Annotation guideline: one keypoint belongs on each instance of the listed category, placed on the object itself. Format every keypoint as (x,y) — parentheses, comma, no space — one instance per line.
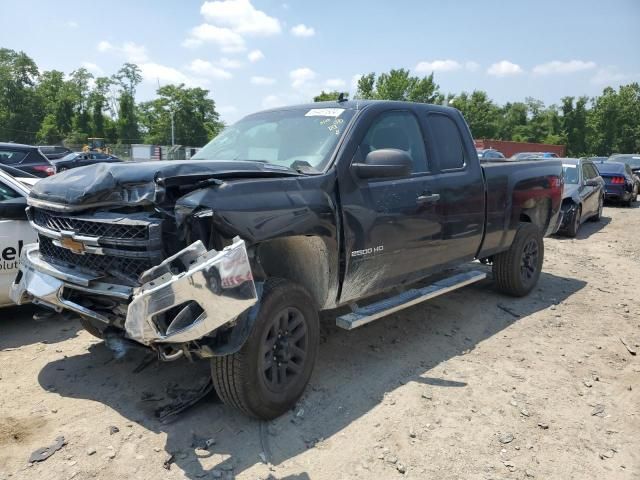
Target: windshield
(570,172)
(69,156)
(632,160)
(289,138)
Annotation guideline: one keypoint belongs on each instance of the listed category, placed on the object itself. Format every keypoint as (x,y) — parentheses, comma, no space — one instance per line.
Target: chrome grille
(97,263)
(57,222)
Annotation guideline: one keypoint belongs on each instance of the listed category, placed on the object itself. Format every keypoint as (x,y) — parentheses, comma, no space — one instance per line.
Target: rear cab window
(447,142)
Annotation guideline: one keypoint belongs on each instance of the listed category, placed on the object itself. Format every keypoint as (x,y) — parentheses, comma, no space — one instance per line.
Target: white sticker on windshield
(568,165)
(324,112)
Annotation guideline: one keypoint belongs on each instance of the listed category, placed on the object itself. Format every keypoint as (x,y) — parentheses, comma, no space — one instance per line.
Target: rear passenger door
(392,227)
(460,184)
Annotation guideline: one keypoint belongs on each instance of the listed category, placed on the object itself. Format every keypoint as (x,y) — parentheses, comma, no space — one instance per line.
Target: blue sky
(253,54)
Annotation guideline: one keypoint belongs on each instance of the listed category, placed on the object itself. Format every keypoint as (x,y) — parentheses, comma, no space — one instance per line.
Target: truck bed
(529,190)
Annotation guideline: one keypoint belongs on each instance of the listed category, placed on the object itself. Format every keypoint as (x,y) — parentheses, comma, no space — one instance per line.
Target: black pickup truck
(231,255)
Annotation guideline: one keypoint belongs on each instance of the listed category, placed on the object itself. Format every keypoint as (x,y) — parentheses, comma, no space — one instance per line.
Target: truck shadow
(19,329)
(356,371)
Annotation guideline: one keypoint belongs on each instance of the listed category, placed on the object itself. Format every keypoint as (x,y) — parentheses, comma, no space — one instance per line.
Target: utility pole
(173,129)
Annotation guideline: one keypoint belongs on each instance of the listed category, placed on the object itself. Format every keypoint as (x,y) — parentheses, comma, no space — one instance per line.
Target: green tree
(195,117)
(127,124)
(20,108)
(399,84)
(329,96)
(481,113)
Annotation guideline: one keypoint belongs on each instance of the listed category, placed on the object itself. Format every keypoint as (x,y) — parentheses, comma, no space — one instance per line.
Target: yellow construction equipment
(96,145)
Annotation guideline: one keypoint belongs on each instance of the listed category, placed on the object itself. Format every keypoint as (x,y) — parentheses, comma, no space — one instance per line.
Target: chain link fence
(145,152)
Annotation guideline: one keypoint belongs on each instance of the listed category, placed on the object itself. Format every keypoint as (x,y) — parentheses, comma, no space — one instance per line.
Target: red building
(511,148)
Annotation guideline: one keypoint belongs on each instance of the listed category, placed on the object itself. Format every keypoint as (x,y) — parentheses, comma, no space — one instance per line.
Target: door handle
(428,198)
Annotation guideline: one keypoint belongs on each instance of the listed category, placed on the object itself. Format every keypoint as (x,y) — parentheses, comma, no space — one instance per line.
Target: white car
(15,230)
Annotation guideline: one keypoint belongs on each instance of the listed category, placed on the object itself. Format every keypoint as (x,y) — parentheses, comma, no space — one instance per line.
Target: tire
(598,215)
(257,383)
(517,270)
(572,230)
(92,329)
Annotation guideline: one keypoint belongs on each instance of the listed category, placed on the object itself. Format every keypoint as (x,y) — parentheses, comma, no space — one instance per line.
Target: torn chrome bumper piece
(220,282)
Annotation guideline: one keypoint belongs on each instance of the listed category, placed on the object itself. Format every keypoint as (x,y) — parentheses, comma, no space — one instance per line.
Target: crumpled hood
(569,190)
(133,183)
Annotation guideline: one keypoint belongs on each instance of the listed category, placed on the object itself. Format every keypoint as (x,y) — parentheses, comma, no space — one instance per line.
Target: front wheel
(270,372)
(572,229)
(517,270)
(598,215)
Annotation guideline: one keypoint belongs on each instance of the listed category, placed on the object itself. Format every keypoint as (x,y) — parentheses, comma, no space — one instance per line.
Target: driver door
(392,227)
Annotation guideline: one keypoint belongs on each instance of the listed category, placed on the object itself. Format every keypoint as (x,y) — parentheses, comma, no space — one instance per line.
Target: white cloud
(208,70)
(134,52)
(104,46)
(438,66)
(255,55)
(504,68)
(227,40)
(611,76)
(229,63)
(272,101)
(240,16)
(335,83)
(72,24)
(300,76)
(257,80)
(131,51)
(301,30)
(93,68)
(155,73)
(558,67)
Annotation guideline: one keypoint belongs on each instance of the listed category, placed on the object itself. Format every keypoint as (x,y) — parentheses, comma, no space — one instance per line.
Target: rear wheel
(572,229)
(270,372)
(517,270)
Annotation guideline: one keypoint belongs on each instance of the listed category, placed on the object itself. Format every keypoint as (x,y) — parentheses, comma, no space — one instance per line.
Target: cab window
(447,142)
(399,130)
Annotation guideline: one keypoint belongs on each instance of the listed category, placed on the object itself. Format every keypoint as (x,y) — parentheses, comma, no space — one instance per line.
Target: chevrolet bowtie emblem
(73,245)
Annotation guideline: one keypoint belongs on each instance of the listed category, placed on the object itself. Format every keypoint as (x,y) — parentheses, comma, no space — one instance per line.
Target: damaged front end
(184,300)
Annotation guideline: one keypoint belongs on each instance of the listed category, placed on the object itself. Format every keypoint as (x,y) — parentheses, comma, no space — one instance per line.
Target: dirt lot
(473,385)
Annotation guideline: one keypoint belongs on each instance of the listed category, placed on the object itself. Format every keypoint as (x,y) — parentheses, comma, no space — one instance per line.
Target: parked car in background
(26,158)
(15,231)
(489,154)
(632,160)
(533,155)
(81,159)
(53,152)
(620,182)
(598,159)
(583,195)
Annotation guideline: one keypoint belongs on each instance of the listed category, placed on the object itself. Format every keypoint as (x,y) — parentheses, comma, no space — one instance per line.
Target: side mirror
(592,182)
(384,163)
(13,209)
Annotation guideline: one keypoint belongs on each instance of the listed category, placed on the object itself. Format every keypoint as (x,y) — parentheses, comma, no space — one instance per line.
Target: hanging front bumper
(220,282)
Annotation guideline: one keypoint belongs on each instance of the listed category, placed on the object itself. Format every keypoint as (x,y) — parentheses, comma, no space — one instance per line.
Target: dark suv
(53,152)
(26,158)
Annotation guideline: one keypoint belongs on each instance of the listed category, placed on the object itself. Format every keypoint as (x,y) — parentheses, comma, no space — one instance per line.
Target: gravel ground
(472,385)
